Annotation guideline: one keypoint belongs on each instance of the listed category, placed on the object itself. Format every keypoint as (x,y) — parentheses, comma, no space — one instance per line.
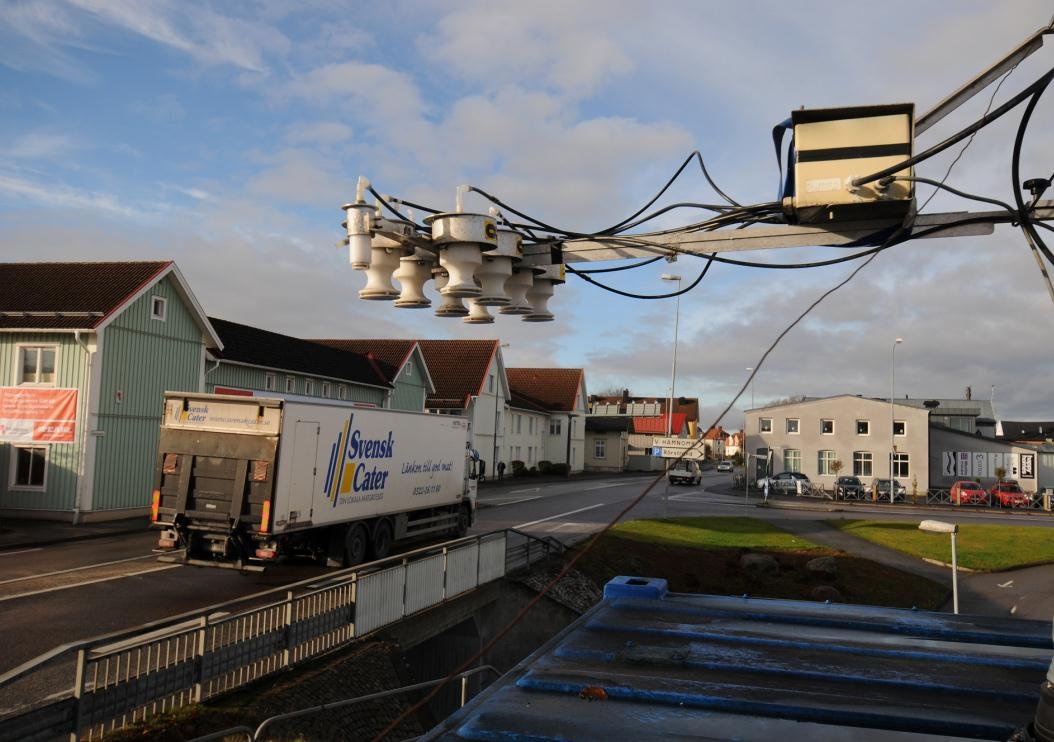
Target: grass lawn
(980,547)
(702,555)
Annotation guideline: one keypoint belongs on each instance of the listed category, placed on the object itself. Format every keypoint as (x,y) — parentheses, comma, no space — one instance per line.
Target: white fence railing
(124,678)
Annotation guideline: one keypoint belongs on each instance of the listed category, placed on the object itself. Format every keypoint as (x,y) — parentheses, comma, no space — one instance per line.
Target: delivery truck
(241,481)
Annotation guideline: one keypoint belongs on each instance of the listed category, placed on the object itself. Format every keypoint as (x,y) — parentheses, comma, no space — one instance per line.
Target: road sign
(696,454)
(675,442)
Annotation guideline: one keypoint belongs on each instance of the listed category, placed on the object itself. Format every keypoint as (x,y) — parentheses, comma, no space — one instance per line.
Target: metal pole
(892,444)
(955,579)
(673,382)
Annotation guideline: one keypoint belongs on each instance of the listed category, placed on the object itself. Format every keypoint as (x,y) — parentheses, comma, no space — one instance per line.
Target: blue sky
(227,135)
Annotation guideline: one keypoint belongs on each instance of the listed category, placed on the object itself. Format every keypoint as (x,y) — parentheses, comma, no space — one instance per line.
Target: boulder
(826,567)
(758,565)
(824,593)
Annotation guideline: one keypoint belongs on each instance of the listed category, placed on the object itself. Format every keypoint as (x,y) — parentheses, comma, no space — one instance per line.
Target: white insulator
(452,306)
(516,287)
(379,275)
(492,275)
(358,224)
(538,297)
(460,260)
(478,314)
(414,272)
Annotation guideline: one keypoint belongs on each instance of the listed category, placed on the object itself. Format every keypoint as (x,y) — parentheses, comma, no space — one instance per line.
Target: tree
(1000,472)
(738,459)
(836,466)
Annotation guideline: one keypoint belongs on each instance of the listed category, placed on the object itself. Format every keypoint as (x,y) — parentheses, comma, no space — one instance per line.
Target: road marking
(1007,584)
(560,515)
(21,551)
(89,582)
(520,492)
(73,569)
(602,486)
(512,502)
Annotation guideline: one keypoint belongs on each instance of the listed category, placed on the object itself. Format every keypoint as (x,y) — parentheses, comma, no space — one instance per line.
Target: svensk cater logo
(353,464)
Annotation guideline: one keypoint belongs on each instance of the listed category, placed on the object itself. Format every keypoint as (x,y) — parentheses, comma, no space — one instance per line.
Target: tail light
(266,553)
(265,517)
(154,505)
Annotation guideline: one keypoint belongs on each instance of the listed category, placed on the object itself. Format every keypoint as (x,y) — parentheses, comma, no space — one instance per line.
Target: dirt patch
(718,572)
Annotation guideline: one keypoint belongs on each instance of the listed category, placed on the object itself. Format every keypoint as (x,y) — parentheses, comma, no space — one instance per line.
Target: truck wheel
(355,544)
(382,539)
(461,530)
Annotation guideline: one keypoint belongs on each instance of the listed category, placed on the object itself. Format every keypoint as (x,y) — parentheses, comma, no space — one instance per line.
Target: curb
(32,544)
(902,508)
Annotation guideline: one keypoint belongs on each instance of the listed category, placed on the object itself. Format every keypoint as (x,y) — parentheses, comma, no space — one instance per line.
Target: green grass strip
(711,533)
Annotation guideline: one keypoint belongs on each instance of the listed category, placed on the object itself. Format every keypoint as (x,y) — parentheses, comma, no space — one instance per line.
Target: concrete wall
(845,411)
(955,456)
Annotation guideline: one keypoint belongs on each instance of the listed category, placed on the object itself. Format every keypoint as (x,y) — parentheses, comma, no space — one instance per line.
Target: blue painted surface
(716,667)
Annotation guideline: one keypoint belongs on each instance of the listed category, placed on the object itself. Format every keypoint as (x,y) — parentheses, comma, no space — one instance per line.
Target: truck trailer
(241,481)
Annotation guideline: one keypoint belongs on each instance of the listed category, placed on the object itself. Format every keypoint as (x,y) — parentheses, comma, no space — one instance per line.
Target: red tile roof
(688,405)
(389,355)
(714,433)
(69,295)
(458,369)
(657,425)
(556,389)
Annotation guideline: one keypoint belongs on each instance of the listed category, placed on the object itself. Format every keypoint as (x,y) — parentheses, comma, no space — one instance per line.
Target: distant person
(501,470)
(482,470)
(766,486)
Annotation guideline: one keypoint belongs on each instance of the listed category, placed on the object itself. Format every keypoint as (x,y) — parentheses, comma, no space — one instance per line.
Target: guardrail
(124,677)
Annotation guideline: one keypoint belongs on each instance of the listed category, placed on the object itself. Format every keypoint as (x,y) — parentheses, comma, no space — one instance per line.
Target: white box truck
(241,481)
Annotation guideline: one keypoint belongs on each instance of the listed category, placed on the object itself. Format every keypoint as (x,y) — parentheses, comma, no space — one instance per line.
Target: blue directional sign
(656,451)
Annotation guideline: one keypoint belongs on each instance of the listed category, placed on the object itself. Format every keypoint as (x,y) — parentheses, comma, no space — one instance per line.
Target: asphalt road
(61,593)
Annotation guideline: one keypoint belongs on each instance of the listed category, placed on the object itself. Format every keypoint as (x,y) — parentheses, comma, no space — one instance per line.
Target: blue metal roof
(701,666)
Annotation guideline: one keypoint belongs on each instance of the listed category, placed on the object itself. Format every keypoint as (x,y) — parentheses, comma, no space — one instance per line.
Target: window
(901,465)
(862,464)
(409,370)
(309,386)
(519,423)
(36,364)
(530,426)
(530,455)
(158,306)
(1046,460)
(792,425)
(554,426)
(863,427)
(325,389)
(900,428)
(270,382)
(825,463)
(765,424)
(290,384)
(792,459)
(342,392)
(827,427)
(29,467)
(490,383)
(600,448)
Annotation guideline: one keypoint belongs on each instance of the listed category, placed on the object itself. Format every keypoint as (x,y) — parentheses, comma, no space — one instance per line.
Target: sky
(227,135)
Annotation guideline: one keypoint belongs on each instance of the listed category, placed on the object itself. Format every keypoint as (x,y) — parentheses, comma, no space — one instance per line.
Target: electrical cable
(641,264)
(620,292)
(1035,242)
(982,122)
(402,217)
(571,563)
(941,185)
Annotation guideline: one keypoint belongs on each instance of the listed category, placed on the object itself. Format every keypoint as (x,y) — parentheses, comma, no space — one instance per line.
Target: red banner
(34,415)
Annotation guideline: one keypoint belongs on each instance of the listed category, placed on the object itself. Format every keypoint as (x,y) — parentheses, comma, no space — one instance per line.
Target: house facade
(401,363)
(561,392)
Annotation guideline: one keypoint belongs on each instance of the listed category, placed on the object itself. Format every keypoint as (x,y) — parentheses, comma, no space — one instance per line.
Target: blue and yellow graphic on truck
(357,470)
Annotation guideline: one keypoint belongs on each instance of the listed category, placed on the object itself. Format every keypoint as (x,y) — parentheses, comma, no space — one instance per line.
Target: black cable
(641,264)
(629,295)
(941,185)
(1035,242)
(982,122)
(402,217)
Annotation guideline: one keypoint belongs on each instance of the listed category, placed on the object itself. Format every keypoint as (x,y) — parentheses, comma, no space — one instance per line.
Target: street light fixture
(892,440)
(939,526)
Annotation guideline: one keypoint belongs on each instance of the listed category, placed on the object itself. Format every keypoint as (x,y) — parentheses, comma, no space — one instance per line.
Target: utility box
(834,145)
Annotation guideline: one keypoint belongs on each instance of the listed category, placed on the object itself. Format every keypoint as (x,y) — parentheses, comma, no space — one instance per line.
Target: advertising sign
(234,417)
(33,415)
(1028,466)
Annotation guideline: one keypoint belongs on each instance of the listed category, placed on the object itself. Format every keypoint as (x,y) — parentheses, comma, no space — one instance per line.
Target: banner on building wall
(983,465)
(1028,466)
(32,415)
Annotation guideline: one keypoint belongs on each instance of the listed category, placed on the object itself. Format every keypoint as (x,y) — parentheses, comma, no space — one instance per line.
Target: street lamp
(673,380)
(892,441)
(939,526)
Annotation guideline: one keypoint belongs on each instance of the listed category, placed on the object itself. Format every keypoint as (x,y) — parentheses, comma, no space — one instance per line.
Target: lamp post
(892,440)
(938,526)
(673,381)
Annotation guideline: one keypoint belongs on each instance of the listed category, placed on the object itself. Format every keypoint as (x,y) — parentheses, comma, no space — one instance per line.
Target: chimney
(969,394)
(625,396)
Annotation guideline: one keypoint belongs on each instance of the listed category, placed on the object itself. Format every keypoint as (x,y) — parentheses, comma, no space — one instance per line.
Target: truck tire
(461,529)
(356,543)
(381,544)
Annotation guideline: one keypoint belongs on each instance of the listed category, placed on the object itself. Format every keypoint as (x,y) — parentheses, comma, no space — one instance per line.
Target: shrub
(559,470)
(518,469)
(545,467)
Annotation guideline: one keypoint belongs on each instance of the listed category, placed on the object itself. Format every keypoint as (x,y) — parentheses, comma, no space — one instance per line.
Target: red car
(1010,494)
(968,493)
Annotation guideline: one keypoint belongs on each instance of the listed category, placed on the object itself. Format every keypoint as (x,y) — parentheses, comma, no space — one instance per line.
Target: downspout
(567,456)
(85,429)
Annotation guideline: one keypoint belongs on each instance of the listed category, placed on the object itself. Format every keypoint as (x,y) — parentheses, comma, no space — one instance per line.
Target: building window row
(863,462)
(827,426)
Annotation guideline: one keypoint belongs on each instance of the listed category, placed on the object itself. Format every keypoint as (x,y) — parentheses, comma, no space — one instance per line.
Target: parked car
(849,488)
(968,493)
(685,472)
(785,481)
(1010,495)
(724,466)
(882,486)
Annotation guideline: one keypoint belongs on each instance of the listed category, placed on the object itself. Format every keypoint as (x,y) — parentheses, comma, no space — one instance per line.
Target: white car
(686,472)
(724,466)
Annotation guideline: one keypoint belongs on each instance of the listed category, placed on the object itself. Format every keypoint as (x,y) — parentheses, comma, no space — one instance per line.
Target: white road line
(560,515)
(512,502)
(89,582)
(603,486)
(73,569)
(520,492)
(20,551)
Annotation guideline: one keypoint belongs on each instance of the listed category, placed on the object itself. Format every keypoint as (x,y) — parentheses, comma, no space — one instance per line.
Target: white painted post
(955,579)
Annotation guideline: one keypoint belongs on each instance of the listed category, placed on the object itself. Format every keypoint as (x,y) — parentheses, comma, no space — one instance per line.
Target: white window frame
(490,383)
(866,423)
(154,314)
(519,424)
(600,448)
(20,349)
(555,426)
(530,425)
(270,382)
(309,387)
(409,370)
(13,477)
(797,425)
(826,420)
(290,385)
(901,465)
(858,456)
(325,389)
(762,427)
(824,463)
(787,460)
(342,392)
(904,425)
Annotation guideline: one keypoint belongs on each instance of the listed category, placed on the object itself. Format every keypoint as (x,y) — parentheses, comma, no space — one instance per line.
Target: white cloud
(37,145)
(301,176)
(319,133)
(60,197)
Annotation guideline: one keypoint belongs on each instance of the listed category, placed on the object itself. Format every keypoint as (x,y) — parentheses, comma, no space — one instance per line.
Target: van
(686,472)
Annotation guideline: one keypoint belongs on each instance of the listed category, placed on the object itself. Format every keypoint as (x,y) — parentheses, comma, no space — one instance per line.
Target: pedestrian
(766,485)
(501,470)
(482,470)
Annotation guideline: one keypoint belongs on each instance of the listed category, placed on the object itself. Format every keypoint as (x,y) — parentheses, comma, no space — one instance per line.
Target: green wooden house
(401,362)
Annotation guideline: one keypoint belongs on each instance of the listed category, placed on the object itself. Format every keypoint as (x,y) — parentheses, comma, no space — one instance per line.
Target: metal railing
(124,677)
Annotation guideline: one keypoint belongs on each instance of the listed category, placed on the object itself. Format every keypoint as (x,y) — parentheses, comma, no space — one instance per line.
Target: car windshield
(970,486)
(1011,488)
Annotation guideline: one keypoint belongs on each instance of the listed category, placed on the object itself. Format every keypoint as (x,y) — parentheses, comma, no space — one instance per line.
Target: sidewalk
(20,533)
